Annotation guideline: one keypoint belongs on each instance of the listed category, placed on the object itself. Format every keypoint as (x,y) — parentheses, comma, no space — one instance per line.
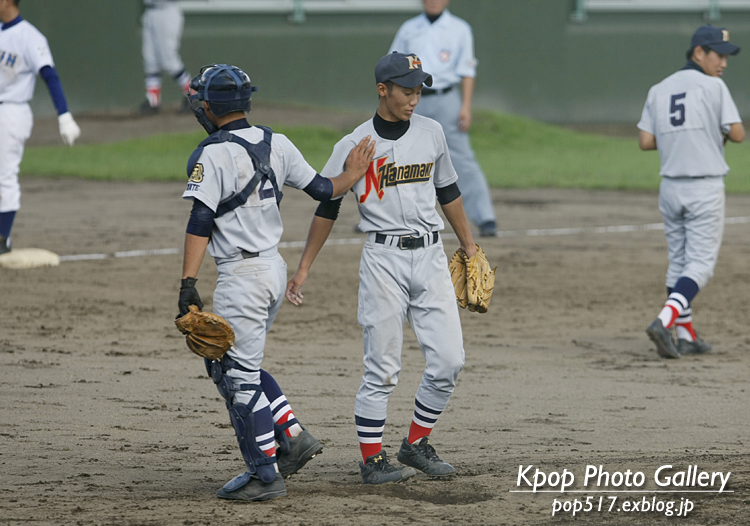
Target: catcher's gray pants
(248,295)
(693,212)
(477,198)
(16,122)
(395,284)
(162,31)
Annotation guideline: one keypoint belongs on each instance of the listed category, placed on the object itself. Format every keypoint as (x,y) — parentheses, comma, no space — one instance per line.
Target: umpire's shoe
(302,449)
(377,470)
(247,487)
(696,347)
(423,457)
(663,339)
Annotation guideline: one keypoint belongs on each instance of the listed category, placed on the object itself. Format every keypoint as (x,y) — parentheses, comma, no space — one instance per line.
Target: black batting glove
(188,296)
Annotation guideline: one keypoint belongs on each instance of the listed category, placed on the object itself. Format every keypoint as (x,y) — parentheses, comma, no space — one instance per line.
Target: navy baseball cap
(404,69)
(716,38)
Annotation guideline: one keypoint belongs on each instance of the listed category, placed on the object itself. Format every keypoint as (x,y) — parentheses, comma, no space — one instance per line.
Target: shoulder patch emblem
(197,175)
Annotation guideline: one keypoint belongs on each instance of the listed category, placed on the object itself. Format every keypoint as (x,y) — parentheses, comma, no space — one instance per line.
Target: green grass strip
(515,152)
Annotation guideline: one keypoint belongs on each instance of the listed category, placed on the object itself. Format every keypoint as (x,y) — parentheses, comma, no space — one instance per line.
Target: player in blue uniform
(688,117)
(24,54)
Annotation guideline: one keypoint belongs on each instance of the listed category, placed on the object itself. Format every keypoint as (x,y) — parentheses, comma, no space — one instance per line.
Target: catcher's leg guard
(245,424)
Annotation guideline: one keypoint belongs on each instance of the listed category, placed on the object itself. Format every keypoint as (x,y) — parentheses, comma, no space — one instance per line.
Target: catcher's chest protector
(260,153)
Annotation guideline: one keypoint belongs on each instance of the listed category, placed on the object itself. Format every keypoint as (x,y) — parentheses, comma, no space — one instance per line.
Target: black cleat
(147,109)
(248,487)
(422,456)
(302,449)
(488,229)
(662,338)
(4,245)
(697,347)
(377,470)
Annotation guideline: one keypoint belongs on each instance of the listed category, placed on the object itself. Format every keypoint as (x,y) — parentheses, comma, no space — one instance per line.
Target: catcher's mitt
(207,335)
(473,280)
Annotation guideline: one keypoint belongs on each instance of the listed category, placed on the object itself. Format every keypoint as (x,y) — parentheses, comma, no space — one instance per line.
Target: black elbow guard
(329,209)
(320,188)
(448,193)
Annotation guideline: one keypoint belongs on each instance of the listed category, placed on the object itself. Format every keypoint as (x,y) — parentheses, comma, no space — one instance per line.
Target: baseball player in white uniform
(235,176)
(403,270)
(162,22)
(688,117)
(445,44)
(24,53)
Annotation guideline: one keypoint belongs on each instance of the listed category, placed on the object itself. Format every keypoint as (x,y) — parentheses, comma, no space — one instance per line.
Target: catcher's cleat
(247,487)
(377,470)
(662,338)
(696,347)
(422,456)
(302,449)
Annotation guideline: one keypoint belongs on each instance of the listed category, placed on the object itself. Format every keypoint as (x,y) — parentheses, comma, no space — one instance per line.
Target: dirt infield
(107,418)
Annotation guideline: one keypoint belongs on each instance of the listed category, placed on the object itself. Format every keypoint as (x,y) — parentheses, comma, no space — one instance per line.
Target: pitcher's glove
(473,280)
(207,334)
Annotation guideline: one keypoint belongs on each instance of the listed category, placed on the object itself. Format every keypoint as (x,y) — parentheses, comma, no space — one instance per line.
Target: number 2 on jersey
(677,111)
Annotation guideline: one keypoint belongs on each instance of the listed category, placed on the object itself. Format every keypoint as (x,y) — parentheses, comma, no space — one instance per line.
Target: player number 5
(677,111)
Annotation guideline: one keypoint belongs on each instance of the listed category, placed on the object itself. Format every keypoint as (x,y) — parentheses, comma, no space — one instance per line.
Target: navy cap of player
(716,38)
(402,69)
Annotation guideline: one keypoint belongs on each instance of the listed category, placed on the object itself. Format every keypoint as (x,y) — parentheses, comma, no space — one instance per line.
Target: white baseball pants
(16,121)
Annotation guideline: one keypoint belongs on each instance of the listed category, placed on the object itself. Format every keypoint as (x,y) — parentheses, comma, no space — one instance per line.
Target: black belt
(428,91)
(407,242)
(249,255)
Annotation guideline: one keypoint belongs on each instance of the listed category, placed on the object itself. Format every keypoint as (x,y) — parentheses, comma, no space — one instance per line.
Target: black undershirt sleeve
(201,219)
(320,188)
(448,193)
(329,209)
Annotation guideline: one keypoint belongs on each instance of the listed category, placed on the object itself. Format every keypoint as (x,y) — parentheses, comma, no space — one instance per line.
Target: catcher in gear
(234,181)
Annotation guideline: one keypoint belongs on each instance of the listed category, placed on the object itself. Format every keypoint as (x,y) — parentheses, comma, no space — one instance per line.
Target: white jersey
(445,47)
(224,170)
(23,52)
(687,113)
(397,196)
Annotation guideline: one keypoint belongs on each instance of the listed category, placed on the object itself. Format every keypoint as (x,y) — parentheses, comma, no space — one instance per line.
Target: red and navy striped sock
(370,435)
(423,421)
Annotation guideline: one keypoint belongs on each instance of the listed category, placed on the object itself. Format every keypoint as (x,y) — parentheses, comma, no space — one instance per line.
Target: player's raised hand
(293,288)
(360,157)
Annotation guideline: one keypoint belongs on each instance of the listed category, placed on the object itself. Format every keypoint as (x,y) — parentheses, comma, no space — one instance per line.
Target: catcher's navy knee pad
(243,421)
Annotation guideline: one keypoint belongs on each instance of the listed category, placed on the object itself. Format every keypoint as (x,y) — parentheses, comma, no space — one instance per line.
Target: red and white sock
(153,90)
(282,413)
(370,435)
(684,326)
(676,304)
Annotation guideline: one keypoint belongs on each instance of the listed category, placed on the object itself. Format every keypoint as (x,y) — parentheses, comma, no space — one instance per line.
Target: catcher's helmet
(226,88)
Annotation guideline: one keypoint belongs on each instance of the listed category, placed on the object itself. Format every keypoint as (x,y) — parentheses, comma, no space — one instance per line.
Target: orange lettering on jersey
(374,179)
(414,61)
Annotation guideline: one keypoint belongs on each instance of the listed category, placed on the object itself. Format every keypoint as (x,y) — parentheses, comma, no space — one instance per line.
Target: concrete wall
(532,59)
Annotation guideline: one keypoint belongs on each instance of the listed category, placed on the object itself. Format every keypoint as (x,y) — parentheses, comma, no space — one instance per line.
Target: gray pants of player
(395,284)
(477,198)
(693,210)
(162,31)
(16,122)
(248,294)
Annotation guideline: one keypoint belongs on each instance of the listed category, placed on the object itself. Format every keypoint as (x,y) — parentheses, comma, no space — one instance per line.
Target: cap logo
(725,35)
(414,61)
